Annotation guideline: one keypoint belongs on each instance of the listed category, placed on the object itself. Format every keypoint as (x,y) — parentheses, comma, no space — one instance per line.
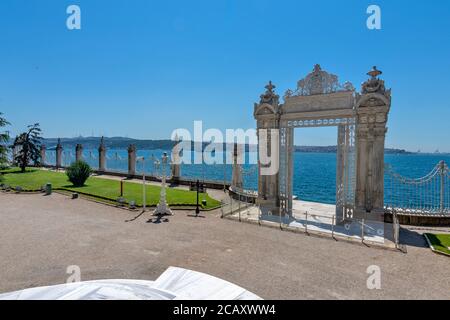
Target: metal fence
(429,195)
(376,232)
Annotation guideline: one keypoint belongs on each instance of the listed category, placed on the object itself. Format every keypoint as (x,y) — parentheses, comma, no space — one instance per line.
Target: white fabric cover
(174,283)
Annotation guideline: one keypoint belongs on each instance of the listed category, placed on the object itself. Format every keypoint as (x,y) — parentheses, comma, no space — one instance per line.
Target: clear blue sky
(142,68)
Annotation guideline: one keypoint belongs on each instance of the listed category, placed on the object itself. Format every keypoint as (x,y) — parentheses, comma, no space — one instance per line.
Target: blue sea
(314,173)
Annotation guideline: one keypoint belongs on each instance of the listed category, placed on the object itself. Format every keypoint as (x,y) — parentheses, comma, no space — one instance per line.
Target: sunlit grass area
(33,180)
(440,242)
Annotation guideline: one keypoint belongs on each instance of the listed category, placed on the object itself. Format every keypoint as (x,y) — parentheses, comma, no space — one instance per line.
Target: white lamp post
(163,207)
(143,183)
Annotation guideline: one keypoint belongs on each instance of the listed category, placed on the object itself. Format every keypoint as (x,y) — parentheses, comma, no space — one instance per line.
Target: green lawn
(440,242)
(34,179)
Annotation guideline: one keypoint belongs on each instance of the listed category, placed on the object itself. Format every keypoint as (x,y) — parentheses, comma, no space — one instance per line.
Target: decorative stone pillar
(102,156)
(176,163)
(14,155)
(43,155)
(372,109)
(59,150)
(79,152)
(131,160)
(236,181)
(267,114)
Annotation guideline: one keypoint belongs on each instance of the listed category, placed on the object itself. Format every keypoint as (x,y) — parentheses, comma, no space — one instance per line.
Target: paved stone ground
(41,236)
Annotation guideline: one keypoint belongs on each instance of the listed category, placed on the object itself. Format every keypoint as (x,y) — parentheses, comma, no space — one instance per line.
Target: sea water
(314,173)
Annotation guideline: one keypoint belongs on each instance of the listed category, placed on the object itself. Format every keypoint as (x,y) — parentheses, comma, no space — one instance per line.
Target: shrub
(78,172)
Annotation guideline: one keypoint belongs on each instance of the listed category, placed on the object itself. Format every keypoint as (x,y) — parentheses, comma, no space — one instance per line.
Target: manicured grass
(34,179)
(440,242)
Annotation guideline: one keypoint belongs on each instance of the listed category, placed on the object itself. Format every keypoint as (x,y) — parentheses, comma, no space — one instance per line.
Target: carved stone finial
(270,96)
(374,84)
(374,73)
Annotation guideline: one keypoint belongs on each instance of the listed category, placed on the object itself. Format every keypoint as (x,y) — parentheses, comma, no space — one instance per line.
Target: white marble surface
(174,283)
(320,220)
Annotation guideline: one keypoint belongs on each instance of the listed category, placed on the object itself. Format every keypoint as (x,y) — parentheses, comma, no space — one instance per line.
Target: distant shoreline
(122,143)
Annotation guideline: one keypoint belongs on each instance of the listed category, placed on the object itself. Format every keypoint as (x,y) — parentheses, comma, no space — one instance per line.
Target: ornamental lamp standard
(197,209)
(163,207)
(143,182)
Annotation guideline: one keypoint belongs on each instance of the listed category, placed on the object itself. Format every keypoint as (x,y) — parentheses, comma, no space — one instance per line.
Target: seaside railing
(428,195)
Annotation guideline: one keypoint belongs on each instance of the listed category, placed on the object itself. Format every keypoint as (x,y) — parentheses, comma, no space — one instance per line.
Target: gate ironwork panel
(427,195)
(345,172)
(283,174)
(345,184)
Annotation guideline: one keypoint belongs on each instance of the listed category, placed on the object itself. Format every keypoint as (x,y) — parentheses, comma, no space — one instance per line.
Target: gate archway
(320,100)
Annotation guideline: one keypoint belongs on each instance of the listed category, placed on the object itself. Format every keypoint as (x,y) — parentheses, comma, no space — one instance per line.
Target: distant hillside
(123,143)
(112,143)
(333,149)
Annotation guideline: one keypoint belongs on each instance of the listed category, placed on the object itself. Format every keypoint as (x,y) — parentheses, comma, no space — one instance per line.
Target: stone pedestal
(102,156)
(43,155)
(59,150)
(79,152)
(131,160)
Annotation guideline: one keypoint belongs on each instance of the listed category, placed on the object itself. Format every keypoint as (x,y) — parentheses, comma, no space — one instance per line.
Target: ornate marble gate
(320,100)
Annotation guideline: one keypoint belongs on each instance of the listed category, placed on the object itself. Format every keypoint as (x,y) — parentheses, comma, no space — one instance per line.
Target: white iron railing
(429,195)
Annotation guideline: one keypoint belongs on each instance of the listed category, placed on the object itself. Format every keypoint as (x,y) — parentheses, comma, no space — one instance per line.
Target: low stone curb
(432,247)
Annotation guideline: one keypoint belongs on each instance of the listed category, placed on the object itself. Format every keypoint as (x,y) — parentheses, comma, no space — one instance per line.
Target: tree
(4,140)
(28,145)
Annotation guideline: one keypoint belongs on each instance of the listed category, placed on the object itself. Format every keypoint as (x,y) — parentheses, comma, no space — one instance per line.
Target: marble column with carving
(59,150)
(131,160)
(236,181)
(176,163)
(372,109)
(15,150)
(102,156)
(267,115)
(43,155)
(79,152)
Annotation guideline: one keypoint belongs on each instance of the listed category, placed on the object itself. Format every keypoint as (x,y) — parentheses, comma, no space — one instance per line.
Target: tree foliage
(28,146)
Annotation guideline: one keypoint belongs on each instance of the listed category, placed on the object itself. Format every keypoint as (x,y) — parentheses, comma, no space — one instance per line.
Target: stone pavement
(41,236)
